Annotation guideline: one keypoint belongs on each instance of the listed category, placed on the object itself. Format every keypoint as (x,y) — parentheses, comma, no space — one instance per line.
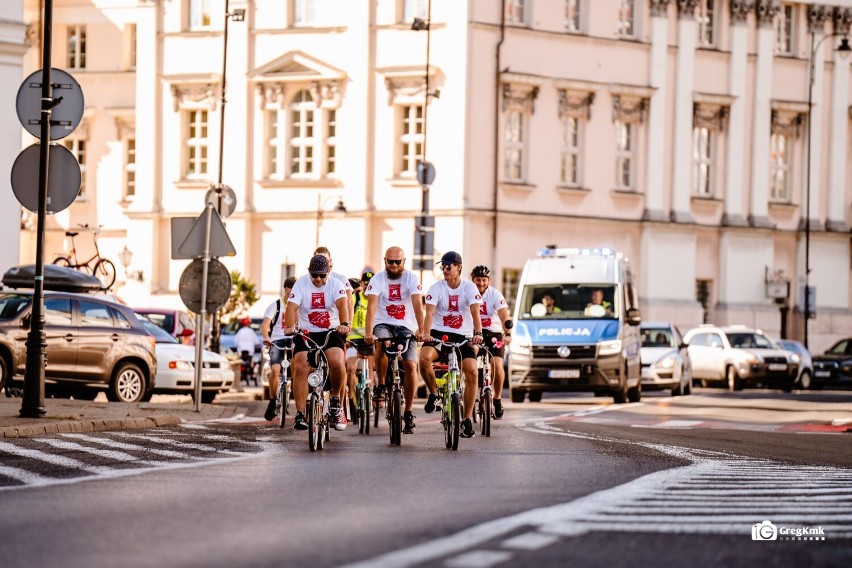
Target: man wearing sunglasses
(395,308)
(316,302)
(452,309)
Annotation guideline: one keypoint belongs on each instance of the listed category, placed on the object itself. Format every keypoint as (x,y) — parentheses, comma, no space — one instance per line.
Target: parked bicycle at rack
(102,268)
(395,347)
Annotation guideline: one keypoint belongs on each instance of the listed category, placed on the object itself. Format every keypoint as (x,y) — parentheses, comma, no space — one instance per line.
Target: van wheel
(620,396)
(535,396)
(127,384)
(734,381)
(517,395)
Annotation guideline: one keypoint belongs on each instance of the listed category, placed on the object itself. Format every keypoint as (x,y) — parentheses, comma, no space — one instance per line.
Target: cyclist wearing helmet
(494,313)
(355,339)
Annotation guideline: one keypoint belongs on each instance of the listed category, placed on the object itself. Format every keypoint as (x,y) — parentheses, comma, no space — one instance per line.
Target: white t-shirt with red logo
(492,302)
(317,308)
(394,305)
(452,306)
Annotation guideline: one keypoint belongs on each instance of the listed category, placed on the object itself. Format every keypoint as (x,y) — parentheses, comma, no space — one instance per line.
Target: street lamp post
(339,208)
(844,50)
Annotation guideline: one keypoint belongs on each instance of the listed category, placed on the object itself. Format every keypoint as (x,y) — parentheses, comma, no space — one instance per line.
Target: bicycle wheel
(447,422)
(367,404)
(285,395)
(313,422)
(63,261)
(486,414)
(456,404)
(104,271)
(377,407)
(395,414)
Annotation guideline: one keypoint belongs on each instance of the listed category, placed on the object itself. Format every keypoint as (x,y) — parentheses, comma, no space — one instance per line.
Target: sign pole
(33,401)
(199,324)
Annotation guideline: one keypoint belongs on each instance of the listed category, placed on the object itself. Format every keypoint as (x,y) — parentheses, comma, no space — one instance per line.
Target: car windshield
(569,301)
(657,337)
(11,304)
(749,340)
(159,334)
(163,321)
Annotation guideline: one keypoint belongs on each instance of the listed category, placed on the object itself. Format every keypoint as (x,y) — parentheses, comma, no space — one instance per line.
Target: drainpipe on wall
(496,172)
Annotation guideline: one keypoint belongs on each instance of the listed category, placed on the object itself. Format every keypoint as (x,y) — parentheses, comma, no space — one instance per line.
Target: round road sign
(63,178)
(218,285)
(67,113)
(227,196)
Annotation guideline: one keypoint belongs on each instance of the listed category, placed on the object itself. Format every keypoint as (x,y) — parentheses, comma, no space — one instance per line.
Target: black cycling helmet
(367,276)
(354,282)
(481,271)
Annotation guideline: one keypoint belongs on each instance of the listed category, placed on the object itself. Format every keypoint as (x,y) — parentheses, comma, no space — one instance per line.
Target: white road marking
(670,424)
(109,454)
(21,475)
(50,458)
(530,541)
(122,446)
(479,559)
(178,443)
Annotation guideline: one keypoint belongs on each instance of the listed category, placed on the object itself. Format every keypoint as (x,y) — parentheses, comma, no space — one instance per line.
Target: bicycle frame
(363,392)
(485,396)
(394,348)
(318,398)
(282,396)
(451,389)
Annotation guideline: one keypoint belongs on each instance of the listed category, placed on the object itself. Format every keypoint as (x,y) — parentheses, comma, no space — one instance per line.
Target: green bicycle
(451,388)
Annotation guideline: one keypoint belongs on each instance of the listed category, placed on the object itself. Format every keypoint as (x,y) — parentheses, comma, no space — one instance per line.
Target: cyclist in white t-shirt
(272,330)
(452,309)
(350,300)
(494,313)
(395,308)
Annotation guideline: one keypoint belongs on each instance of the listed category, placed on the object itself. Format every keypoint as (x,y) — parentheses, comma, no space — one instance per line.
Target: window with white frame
(78,148)
(703,139)
(625,154)
(627,18)
(196,143)
(303,12)
(572,15)
(514,146)
(275,148)
(571,154)
(780,159)
(784,30)
(76,47)
(200,12)
(331,141)
(414,9)
(411,138)
(302,135)
(515,12)
(706,18)
(129,168)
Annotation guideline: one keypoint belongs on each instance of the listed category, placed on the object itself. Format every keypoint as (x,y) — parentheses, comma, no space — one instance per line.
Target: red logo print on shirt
(320,319)
(395,292)
(483,312)
(317,300)
(453,321)
(396,311)
(454,304)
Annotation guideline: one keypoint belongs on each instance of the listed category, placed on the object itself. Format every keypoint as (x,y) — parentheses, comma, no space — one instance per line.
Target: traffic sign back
(220,242)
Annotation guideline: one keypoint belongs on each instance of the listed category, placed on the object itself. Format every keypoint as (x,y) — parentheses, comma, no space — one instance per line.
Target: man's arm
(477,324)
(342,303)
(417,303)
(290,317)
(503,314)
(427,320)
(372,306)
(265,330)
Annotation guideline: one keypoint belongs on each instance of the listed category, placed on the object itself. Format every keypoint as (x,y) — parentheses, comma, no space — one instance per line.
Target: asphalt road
(565,483)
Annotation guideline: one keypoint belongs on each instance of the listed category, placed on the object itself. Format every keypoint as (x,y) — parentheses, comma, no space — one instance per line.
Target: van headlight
(609,347)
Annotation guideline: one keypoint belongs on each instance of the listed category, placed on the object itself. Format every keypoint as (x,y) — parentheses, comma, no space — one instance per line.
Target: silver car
(806,363)
(665,359)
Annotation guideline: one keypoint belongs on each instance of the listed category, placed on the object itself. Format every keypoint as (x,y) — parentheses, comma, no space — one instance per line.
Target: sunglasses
(446,266)
(317,275)
(395,261)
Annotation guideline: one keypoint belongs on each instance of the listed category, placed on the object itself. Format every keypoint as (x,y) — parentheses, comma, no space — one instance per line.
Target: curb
(32,430)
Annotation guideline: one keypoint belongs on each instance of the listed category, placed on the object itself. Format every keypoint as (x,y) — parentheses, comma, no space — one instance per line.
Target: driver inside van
(549,302)
(593,309)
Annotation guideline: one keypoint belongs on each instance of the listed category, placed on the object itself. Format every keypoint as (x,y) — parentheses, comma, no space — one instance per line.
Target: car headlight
(667,362)
(609,347)
(314,379)
(181,365)
(795,358)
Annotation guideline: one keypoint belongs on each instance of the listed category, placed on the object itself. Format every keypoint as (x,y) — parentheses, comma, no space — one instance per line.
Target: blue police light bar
(553,252)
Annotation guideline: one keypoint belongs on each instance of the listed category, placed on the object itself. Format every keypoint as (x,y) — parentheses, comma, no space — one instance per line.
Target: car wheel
(805,381)
(687,387)
(5,376)
(535,396)
(635,394)
(207,397)
(127,384)
(734,381)
(517,395)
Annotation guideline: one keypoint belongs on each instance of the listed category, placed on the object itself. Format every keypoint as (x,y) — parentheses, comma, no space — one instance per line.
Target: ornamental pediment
(296,66)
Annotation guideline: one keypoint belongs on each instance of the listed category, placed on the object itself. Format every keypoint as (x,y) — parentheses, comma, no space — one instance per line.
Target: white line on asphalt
(479,559)
(670,424)
(122,446)
(178,443)
(50,458)
(109,454)
(530,541)
(21,475)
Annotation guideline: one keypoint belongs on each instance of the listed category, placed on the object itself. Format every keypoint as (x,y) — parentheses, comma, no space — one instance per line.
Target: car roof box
(56,278)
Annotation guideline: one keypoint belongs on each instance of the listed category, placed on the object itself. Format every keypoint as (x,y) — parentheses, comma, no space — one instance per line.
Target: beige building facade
(677,132)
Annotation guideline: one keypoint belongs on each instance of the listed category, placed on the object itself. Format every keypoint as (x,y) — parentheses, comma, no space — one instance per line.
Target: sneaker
(270,410)
(431,403)
(408,418)
(379,392)
(300,423)
(467,428)
(498,409)
(339,419)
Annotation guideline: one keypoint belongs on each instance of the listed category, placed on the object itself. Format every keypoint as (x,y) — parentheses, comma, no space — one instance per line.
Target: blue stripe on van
(568,332)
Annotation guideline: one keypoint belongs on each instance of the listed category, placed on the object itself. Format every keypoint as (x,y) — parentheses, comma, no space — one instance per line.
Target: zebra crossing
(73,457)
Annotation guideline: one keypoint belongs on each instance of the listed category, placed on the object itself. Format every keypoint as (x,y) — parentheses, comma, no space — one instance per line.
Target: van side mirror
(634,317)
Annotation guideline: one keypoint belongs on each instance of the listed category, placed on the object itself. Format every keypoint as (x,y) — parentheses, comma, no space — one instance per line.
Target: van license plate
(564,374)
(777,367)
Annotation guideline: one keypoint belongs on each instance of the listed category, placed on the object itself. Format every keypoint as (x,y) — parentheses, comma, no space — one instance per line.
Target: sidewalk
(66,415)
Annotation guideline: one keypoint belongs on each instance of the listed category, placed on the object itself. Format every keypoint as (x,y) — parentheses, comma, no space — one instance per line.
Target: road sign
(67,111)
(424,242)
(63,178)
(220,242)
(425,173)
(218,285)
(228,200)
(812,300)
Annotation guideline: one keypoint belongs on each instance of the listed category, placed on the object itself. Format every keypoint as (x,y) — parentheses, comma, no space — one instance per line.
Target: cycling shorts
(318,337)
(357,346)
(467,351)
(487,337)
(386,330)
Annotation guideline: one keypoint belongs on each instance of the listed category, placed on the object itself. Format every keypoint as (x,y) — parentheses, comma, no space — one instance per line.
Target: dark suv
(92,344)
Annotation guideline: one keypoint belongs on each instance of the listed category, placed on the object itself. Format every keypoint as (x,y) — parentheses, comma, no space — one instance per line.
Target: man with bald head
(396,309)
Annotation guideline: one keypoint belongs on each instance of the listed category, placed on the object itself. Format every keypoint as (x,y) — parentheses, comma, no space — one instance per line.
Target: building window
(572,15)
(331,142)
(514,142)
(781,150)
(411,138)
(129,168)
(571,138)
(706,24)
(274,147)
(627,18)
(303,12)
(624,154)
(199,14)
(77,47)
(702,296)
(78,148)
(702,161)
(784,30)
(515,12)
(414,9)
(295,145)
(196,143)
(301,146)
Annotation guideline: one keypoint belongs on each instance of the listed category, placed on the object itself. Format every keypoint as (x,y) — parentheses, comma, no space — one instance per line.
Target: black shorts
(467,351)
(488,343)
(362,348)
(318,337)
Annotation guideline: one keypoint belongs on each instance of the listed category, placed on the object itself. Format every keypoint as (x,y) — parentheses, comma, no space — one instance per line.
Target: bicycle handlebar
(397,340)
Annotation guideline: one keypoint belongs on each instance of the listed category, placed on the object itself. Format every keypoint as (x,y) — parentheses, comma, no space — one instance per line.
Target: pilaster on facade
(842,19)
(658,67)
(659,8)
(682,160)
(818,15)
(740,9)
(766,10)
(735,149)
(686,9)
(838,130)
(762,114)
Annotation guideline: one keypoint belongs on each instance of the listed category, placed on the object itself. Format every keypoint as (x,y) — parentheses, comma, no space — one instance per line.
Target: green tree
(243,296)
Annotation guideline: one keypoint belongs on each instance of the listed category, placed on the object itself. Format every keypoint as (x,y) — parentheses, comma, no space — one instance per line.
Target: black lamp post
(844,50)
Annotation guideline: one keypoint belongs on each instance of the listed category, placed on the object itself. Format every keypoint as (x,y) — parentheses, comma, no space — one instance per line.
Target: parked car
(665,359)
(176,367)
(92,344)
(180,324)
(739,356)
(806,365)
(834,367)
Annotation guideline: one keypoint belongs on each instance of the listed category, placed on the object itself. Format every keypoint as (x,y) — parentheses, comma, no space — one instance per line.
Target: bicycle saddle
(71,234)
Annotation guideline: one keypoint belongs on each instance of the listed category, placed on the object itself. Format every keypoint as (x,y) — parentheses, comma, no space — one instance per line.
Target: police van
(576,326)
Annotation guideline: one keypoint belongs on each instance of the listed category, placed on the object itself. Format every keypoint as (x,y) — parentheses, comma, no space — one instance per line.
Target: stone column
(656,162)
(15,38)
(817,15)
(737,76)
(835,218)
(681,180)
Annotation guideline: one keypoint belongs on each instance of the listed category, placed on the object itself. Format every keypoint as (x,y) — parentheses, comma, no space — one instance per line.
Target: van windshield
(569,301)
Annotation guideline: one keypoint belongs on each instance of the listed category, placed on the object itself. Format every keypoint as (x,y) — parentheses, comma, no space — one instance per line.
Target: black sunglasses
(317,275)
(394,261)
(446,266)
